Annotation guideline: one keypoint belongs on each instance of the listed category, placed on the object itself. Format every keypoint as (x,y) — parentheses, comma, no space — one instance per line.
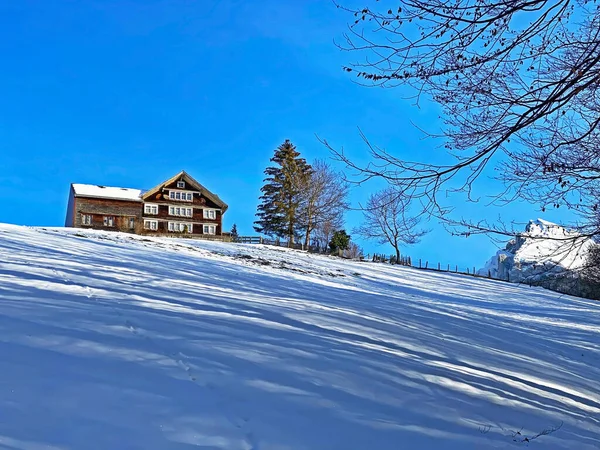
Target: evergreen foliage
(234,233)
(339,241)
(281,199)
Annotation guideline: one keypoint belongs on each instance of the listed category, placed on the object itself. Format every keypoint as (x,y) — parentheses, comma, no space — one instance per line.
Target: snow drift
(114,341)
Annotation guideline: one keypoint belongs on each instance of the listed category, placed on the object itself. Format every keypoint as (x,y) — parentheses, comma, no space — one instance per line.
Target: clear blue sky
(127,93)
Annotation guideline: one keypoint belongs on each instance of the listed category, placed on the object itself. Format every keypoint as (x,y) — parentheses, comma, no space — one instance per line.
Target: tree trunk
(397,255)
(291,224)
(291,233)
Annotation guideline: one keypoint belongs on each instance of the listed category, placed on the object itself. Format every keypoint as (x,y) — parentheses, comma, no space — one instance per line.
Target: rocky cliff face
(545,254)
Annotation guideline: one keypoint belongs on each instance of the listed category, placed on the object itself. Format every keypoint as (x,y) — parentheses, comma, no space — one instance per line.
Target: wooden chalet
(179,205)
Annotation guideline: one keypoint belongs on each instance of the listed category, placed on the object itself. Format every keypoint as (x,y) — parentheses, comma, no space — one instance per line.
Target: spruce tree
(234,233)
(278,212)
(339,241)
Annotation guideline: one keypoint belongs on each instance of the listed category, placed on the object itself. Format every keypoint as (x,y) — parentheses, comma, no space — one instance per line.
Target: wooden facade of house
(179,205)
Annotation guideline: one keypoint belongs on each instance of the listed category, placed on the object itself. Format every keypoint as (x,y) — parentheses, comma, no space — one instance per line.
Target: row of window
(177,211)
(151,209)
(183,196)
(108,221)
(151,225)
(182,227)
(210,229)
(180,211)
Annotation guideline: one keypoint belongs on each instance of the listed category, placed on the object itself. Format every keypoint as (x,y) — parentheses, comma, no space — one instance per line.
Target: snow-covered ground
(110,341)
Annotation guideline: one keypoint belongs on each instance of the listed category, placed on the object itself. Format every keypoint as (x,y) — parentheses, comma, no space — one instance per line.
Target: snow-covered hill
(111,341)
(543,250)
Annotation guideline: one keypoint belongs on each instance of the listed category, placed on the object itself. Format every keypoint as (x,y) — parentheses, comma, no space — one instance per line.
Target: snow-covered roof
(115,193)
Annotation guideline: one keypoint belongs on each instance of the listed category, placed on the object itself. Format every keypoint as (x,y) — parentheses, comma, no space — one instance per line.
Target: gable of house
(162,190)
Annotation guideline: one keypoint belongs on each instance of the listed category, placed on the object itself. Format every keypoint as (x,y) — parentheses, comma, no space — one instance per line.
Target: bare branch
(386,220)
(518,82)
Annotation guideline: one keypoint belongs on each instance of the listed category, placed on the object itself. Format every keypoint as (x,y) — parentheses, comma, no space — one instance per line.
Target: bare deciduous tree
(519,85)
(386,220)
(323,231)
(325,199)
(354,251)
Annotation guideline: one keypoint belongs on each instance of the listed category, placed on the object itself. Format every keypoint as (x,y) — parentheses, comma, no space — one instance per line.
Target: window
(210,214)
(86,219)
(177,211)
(151,225)
(209,229)
(181,184)
(131,223)
(109,221)
(151,209)
(184,196)
(180,227)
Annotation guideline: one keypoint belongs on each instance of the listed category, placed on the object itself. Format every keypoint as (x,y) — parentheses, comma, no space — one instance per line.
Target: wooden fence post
(426,264)
(448,268)
(419,263)
(438,266)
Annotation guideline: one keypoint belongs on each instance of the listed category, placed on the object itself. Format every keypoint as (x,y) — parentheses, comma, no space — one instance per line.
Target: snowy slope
(543,249)
(109,341)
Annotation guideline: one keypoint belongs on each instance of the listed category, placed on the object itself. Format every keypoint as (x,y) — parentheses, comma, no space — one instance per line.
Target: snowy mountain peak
(544,249)
(544,228)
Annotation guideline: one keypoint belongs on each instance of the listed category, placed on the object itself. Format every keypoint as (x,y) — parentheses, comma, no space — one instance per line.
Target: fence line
(381,258)
(424,265)
(278,243)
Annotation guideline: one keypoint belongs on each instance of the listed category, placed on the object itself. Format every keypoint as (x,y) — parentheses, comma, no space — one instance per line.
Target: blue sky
(127,93)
